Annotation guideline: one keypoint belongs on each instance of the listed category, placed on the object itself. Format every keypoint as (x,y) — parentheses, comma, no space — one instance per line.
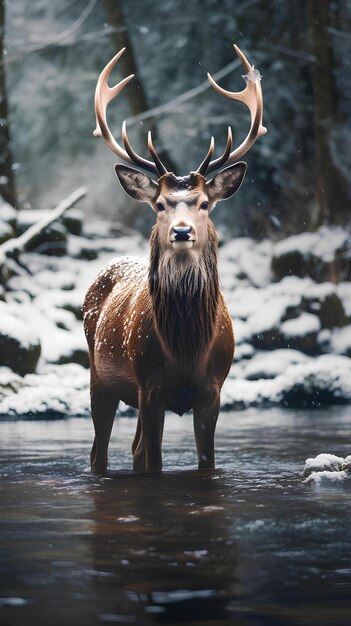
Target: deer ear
(137,184)
(227,182)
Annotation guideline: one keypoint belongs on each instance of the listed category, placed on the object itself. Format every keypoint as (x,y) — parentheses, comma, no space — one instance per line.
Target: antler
(103,96)
(252,97)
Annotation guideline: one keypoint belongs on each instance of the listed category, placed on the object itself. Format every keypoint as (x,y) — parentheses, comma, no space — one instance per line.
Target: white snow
(337,340)
(253,76)
(325,374)
(325,476)
(270,314)
(322,462)
(241,332)
(323,243)
(268,364)
(58,280)
(305,324)
(9,382)
(46,306)
(14,324)
(327,468)
(34,321)
(246,258)
(60,391)
(244,301)
(244,351)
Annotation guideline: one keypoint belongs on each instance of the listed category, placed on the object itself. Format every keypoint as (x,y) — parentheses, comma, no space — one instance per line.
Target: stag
(159,333)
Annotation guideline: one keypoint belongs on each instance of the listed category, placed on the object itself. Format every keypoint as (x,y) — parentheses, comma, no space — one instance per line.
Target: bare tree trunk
(136,95)
(331,186)
(7,183)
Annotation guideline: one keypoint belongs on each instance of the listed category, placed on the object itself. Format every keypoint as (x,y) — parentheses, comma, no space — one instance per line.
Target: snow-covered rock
(71,300)
(269,320)
(270,314)
(323,300)
(243,351)
(337,340)
(10,382)
(73,221)
(276,325)
(62,279)
(244,301)
(246,259)
(266,365)
(90,249)
(327,477)
(56,332)
(63,391)
(319,255)
(51,241)
(323,462)
(324,380)
(19,343)
(56,392)
(327,468)
(286,314)
(304,324)
(301,332)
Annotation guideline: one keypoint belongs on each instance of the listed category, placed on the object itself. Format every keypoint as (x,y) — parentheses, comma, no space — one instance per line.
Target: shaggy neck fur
(184,292)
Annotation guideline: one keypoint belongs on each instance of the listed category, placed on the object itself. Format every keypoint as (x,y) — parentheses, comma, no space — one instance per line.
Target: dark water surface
(248,545)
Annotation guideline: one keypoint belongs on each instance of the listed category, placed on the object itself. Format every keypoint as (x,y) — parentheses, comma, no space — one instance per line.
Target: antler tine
(220,160)
(161,168)
(138,160)
(243,59)
(103,95)
(252,97)
(202,169)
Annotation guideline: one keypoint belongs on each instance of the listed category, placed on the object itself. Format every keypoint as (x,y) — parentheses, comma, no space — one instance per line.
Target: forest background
(52,53)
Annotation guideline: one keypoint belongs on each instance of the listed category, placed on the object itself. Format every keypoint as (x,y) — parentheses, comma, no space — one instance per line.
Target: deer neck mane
(184,292)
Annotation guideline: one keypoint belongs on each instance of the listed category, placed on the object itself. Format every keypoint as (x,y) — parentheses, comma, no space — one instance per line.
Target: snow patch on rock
(310,384)
(322,243)
(326,468)
(57,392)
(304,324)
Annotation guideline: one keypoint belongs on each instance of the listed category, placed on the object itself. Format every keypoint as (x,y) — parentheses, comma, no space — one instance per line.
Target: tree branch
(13,247)
(60,37)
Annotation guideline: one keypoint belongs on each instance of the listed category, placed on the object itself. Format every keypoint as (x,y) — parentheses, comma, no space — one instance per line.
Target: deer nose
(182,233)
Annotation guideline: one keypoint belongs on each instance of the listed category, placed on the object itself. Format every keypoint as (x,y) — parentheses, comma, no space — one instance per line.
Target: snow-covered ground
(293,334)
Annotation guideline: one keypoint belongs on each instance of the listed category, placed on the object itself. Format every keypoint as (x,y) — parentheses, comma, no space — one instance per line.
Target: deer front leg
(103,409)
(147,456)
(205,420)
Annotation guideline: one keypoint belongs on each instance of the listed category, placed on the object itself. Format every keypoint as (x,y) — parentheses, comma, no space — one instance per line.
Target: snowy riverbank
(292,326)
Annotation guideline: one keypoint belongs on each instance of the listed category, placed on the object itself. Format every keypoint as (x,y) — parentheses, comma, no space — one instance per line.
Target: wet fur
(160,338)
(184,296)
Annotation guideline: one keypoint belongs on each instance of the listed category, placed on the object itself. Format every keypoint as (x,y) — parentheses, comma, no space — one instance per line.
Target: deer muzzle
(182,237)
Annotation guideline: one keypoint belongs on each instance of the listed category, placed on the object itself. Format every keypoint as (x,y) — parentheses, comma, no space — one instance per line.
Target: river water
(250,544)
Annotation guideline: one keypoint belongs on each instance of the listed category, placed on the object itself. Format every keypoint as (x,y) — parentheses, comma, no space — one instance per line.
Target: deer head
(182,203)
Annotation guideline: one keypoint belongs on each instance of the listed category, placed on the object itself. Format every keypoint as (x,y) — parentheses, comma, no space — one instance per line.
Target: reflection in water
(172,537)
(249,544)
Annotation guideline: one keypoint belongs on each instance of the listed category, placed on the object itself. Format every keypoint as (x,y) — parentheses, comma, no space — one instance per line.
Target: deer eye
(204,205)
(159,206)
